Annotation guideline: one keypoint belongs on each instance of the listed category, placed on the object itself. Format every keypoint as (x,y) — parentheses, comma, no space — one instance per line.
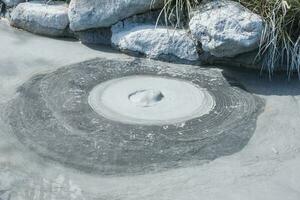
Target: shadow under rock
(260,83)
(102,48)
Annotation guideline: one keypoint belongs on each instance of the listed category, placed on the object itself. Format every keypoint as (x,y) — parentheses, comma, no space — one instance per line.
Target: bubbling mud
(152,100)
(146,98)
(116,117)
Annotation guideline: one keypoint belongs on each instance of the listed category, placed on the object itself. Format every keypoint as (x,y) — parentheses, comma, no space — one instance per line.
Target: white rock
(155,42)
(226,28)
(103,35)
(45,19)
(12,3)
(86,14)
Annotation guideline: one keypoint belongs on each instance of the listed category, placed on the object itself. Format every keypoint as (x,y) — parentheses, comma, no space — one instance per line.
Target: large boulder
(86,14)
(226,28)
(12,3)
(45,19)
(157,43)
(103,35)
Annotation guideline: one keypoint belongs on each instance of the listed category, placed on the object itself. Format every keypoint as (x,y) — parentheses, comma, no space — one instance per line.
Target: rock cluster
(218,31)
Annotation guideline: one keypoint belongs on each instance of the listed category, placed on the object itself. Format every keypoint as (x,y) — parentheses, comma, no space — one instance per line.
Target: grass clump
(176,13)
(280,41)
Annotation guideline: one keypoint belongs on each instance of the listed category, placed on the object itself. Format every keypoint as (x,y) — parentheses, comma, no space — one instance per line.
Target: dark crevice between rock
(2,9)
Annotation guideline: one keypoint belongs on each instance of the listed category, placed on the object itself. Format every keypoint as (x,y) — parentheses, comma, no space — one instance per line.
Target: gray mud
(267,168)
(51,116)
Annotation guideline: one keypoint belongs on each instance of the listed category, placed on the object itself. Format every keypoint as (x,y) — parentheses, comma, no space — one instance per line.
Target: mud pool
(245,142)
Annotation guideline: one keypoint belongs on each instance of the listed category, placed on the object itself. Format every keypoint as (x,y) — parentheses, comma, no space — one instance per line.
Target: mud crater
(53,116)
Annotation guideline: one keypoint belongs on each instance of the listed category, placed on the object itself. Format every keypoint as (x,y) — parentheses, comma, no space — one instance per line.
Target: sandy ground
(266,169)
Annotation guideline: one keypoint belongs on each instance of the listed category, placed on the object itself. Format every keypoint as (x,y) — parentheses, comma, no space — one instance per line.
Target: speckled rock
(86,14)
(45,19)
(226,28)
(154,42)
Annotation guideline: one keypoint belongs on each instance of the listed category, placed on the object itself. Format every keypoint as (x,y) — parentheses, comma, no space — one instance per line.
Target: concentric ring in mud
(53,116)
(150,100)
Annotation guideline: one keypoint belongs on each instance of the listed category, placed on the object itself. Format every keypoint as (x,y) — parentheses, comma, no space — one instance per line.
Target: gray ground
(266,168)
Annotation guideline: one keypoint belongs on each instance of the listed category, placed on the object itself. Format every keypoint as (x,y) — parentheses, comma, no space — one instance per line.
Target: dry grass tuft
(280,42)
(177,12)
